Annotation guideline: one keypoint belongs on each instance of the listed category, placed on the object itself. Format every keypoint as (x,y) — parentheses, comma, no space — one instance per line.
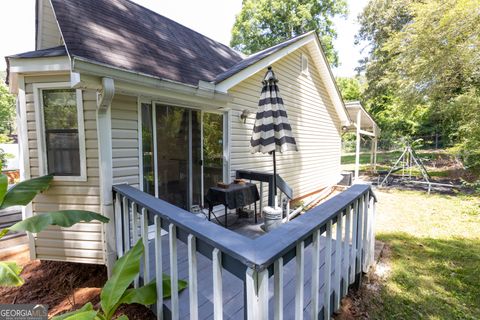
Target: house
(116,94)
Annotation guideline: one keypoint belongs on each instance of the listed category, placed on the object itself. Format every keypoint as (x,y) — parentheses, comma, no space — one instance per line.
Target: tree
(425,61)
(7,110)
(264,23)
(350,88)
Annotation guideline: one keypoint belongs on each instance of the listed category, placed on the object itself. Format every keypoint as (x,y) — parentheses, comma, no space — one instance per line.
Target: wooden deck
(233,288)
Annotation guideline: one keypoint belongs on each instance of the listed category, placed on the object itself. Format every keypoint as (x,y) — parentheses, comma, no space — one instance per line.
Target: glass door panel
(196,147)
(173,154)
(147,149)
(212,150)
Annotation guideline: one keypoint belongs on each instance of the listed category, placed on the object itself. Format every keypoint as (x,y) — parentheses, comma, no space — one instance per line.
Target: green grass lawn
(435,256)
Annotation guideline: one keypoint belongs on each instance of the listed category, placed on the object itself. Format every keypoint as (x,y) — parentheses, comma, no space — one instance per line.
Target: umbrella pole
(274,179)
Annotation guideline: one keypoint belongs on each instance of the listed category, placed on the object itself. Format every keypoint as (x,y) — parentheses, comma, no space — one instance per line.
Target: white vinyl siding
(82,242)
(125,142)
(315,125)
(49,34)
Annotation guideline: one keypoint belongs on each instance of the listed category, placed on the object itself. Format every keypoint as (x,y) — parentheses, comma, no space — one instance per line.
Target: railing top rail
(260,252)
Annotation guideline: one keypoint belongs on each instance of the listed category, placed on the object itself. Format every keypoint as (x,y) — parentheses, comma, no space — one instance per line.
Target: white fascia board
(246,73)
(33,65)
(86,74)
(357,105)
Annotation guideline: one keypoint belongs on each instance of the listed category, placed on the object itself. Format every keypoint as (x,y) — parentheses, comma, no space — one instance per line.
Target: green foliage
(350,88)
(7,110)
(10,274)
(264,23)
(24,192)
(423,72)
(117,292)
(62,218)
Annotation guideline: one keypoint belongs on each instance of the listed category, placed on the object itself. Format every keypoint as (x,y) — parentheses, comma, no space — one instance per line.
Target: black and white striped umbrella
(272,131)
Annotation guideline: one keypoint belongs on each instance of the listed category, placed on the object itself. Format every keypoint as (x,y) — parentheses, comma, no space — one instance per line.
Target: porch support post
(104,132)
(357,150)
(257,294)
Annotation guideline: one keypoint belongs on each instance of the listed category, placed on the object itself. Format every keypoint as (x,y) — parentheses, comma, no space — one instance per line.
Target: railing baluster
(353,257)
(360,237)
(299,277)
(278,288)
(146,255)
(372,230)
(315,273)
(126,225)
(135,235)
(217,284)
(118,224)
(338,261)
(192,277)
(346,252)
(366,227)
(158,263)
(172,232)
(327,271)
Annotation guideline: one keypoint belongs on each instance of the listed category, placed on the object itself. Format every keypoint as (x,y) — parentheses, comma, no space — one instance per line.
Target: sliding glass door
(175,142)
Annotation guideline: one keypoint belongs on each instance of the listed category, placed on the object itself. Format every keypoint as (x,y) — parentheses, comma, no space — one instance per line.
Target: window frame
(40,128)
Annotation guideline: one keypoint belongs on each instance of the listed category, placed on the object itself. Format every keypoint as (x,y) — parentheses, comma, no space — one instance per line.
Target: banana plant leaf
(124,272)
(10,274)
(167,289)
(24,192)
(86,308)
(63,218)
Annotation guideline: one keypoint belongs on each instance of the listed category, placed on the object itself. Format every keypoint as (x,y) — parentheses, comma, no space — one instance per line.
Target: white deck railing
(344,224)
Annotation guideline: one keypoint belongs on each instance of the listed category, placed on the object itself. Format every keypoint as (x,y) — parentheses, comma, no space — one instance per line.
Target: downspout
(104,134)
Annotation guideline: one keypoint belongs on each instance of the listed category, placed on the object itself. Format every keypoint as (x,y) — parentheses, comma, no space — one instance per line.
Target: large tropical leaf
(24,192)
(10,274)
(63,218)
(3,232)
(3,186)
(124,272)
(86,308)
(84,315)
(146,295)
(167,290)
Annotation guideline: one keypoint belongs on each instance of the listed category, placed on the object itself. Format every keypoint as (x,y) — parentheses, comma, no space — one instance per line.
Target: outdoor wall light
(244,115)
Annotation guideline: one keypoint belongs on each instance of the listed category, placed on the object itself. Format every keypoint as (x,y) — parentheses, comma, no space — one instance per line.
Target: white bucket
(273,218)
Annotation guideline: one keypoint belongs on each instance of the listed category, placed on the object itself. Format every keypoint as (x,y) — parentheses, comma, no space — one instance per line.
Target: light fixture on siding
(244,115)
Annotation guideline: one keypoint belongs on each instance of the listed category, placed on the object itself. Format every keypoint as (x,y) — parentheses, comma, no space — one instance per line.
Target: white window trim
(304,57)
(40,127)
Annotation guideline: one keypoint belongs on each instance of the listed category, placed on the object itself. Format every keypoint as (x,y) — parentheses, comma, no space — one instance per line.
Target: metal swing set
(406,163)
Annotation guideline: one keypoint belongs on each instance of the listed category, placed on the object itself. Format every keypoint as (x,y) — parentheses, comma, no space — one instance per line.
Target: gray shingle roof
(50,52)
(128,36)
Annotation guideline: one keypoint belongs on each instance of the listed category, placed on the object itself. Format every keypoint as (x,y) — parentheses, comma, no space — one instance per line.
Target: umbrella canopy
(272,131)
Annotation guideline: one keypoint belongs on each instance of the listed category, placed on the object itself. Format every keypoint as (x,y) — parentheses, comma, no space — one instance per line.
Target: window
(304,65)
(60,128)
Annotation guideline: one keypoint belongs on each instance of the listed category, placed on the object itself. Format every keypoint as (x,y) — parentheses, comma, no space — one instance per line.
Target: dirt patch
(63,286)
(358,304)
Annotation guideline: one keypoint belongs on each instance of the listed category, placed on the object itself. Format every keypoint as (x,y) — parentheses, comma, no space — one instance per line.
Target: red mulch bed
(63,286)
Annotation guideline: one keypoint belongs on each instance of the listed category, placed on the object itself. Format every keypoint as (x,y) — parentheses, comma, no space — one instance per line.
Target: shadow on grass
(430,279)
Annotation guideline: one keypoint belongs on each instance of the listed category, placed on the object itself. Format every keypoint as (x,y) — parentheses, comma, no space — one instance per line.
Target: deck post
(346,252)
(338,262)
(315,273)
(299,279)
(256,284)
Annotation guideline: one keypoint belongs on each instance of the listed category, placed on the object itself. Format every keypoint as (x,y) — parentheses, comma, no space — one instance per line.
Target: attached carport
(364,125)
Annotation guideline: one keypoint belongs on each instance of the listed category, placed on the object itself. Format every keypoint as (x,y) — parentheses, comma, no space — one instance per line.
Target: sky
(213,18)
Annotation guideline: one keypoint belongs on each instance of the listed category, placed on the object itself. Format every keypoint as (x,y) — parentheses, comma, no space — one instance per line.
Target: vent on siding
(304,64)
